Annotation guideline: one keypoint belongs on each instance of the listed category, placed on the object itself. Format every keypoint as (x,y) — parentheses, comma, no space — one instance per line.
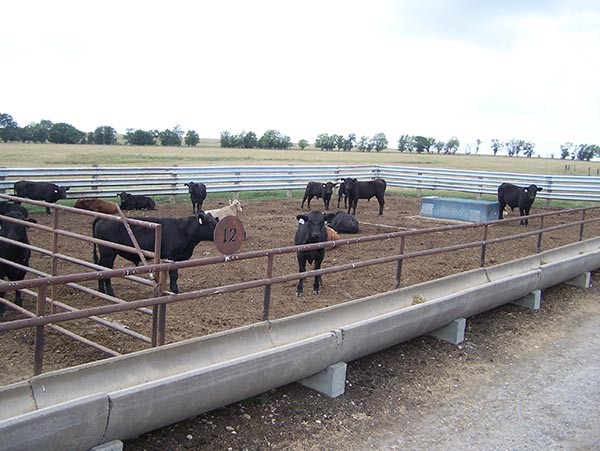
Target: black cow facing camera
(320,191)
(311,229)
(516,196)
(197,195)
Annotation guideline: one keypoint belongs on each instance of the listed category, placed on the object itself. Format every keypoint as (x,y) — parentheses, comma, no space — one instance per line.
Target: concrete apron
(125,396)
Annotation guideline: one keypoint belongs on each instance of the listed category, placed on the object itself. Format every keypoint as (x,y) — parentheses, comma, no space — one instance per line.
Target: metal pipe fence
(169,180)
(161,298)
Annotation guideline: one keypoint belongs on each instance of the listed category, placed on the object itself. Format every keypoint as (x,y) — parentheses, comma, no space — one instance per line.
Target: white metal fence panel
(97,181)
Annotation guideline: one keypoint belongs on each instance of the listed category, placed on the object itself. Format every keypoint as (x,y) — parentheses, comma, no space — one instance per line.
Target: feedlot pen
(61,302)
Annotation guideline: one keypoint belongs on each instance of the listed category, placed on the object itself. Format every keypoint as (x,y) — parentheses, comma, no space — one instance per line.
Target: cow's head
(532,190)
(328,189)
(123,196)
(207,219)
(60,192)
(190,186)
(314,222)
(349,183)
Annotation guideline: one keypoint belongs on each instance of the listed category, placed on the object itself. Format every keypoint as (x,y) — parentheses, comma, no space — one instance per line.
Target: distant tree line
(271,139)
(62,133)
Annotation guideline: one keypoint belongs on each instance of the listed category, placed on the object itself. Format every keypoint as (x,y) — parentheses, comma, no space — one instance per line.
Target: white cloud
(463,68)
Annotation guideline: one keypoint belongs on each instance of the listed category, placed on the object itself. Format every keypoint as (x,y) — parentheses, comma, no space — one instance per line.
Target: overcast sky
(473,69)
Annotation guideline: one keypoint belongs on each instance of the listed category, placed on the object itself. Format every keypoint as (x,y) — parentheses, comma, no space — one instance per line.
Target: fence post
(40,310)
(483,246)
(95,186)
(174,185)
(419,181)
(539,240)
(267,289)
(288,193)
(399,263)
(238,175)
(479,194)
(548,189)
(2,179)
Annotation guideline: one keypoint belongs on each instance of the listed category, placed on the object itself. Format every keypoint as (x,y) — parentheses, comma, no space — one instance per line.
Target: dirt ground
(293,417)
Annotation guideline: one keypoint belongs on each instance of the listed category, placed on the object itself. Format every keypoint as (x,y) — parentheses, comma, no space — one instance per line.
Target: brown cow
(98,205)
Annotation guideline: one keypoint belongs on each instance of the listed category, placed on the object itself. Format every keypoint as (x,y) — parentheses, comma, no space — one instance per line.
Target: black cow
(179,238)
(320,191)
(6,207)
(364,190)
(46,191)
(311,229)
(135,202)
(342,222)
(342,193)
(197,195)
(516,196)
(14,253)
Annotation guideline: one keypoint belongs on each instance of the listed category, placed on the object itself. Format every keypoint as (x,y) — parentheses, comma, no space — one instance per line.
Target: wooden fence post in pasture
(420,174)
(479,194)
(2,179)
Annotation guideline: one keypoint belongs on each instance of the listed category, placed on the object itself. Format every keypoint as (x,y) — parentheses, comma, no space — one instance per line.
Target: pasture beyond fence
(47,312)
(169,180)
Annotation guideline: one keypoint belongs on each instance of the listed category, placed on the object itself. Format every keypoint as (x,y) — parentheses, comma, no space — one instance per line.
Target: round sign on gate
(229,235)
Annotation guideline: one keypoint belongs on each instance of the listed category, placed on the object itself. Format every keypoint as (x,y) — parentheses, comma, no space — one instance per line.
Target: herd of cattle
(181,235)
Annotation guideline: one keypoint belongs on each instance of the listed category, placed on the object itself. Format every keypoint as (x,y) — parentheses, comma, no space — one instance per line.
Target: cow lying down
(179,237)
(98,205)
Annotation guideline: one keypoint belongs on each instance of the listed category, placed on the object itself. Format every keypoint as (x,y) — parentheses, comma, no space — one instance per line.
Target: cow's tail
(95,252)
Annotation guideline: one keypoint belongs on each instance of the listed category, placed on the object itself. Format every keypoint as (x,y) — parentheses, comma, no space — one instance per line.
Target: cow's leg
(326,203)
(318,283)
(47,210)
(523,213)
(303,200)
(501,209)
(301,268)
(108,261)
(173,276)
(381,201)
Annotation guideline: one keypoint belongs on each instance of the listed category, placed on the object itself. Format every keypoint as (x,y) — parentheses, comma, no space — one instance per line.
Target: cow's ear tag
(301,221)
(199,220)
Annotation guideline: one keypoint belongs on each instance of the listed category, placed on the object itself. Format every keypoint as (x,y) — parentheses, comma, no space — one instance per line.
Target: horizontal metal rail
(268,281)
(109,181)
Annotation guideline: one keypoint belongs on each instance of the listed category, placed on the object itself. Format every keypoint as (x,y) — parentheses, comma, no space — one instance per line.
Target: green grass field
(209,154)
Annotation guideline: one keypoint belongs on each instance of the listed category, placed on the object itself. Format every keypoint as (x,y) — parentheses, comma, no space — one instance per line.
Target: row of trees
(63,133)
(271,139)
(324,141)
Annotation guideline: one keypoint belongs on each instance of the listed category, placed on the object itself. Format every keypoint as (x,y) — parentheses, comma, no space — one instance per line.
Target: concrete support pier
(453,332)
(331,381)
(532,301)
(114,445)
(582,281)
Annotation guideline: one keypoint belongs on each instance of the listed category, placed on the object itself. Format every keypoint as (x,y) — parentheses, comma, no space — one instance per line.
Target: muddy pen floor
(268,224)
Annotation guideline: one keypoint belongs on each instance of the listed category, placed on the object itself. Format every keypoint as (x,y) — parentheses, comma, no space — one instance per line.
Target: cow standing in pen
(364,190)
(48,192)
(13,252)
(320,191)
(197,195)
(311,229)
(516,196)
(179,237)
